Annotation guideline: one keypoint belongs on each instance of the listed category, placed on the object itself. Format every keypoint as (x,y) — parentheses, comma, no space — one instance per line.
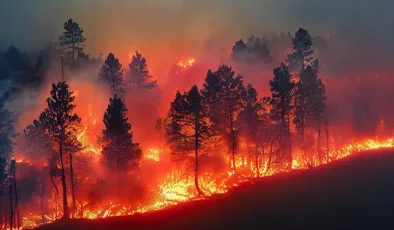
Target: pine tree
(302,54)
(239,50)
(312,90)
(187,128)
(139,73)
(282,96)
(7,132)
(251,118)
(224,94)
(38,141)
(298,60)
(60,121)
(112,73)
(72,37)
(119,151)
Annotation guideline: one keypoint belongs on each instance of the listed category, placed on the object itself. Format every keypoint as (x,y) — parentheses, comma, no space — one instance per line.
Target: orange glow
(186,64)
(177,187)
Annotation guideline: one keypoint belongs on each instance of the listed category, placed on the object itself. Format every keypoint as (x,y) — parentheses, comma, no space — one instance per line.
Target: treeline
(224,113)
(263,50)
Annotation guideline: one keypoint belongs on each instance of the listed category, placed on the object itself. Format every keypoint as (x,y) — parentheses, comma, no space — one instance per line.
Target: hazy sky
(31,22)
(165,27)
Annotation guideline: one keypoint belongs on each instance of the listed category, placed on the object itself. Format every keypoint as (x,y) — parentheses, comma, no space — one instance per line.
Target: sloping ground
(353,193)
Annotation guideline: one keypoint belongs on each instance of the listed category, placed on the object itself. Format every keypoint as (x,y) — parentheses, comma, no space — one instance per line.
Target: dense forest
(71,164)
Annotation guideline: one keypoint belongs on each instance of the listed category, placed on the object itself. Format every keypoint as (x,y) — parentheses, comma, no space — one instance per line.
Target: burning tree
(312,95)
(60,121)
(251,118)
(139,73)
(223,93)
(120,153)
(309,91)
(72,37)
(187,128)
(282,96)
(112,73)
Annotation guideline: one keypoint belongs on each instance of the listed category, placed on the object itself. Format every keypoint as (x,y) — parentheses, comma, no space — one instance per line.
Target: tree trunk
(73,58)
(42,210)
(270,157)
(196,147)
(17,220)
(289,135)
(66,214)
(232,141)
(11,205)
(72,185)
(257,161)
(327,138)
(318,140)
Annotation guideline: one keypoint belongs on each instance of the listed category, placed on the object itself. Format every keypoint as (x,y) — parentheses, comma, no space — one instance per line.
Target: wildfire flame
(176,189)
(185,64)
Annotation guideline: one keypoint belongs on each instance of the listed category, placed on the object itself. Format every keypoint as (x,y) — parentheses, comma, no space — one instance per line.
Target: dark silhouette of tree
(312,95)
(239,50)
(187,128)
(72,37)
(112,73)
(139,73)
(282,96)
(38,141)
(72,146)
(224,93)
(251,118)
(119,151)
(16,66)
(40,145)
(60,121)
(254,51)
(301,55)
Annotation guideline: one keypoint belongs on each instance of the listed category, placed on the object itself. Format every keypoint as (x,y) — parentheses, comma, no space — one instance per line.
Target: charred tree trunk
(270,157)
(289,136)
(196,147)
(256,149)
(72,185)
(11,205)
(233,140)
(318,140)
(66,214)
(327,147)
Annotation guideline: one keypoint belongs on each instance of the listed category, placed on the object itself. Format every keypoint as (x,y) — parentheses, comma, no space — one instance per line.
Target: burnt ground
(353,193)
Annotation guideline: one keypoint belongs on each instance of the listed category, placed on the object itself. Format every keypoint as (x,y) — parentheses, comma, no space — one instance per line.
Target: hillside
(353,193)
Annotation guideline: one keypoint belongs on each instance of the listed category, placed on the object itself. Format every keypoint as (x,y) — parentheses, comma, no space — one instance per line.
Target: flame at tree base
(174,190)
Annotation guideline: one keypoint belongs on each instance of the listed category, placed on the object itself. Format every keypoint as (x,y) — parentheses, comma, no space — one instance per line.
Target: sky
(30,23)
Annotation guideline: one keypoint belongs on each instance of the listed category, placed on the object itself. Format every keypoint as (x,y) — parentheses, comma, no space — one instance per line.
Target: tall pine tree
(139,73)
(72,37)
(120,153)
(251,118)
(282,96)
(112,73)
(60,121)
(224,93)
(187,128)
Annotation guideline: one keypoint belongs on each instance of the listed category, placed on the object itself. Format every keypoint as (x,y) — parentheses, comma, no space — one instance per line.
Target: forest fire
(101,146)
